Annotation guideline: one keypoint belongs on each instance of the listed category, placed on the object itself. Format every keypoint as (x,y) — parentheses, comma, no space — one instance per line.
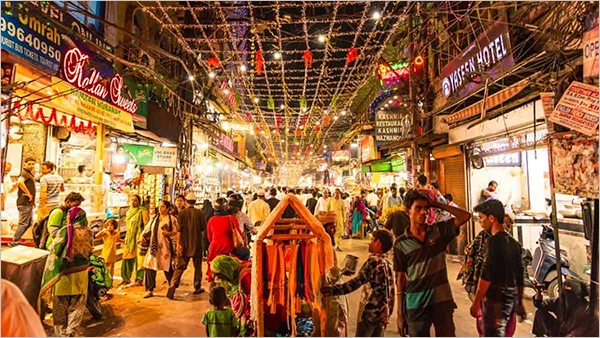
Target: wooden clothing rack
(290,231)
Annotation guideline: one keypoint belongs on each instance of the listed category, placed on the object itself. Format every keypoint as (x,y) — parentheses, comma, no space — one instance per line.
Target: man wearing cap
(259,209)
(189,245)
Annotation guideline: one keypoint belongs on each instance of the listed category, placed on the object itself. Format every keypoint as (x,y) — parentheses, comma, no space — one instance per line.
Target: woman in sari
(65,275)
(161,230)
(235,276)
(136,218)
(359,213)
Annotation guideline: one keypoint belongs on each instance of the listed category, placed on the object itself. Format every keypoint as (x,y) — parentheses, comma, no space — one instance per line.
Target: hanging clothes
(300,285)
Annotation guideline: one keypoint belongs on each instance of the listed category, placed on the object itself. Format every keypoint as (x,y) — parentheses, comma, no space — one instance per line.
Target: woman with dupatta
(66,272)
(235,276)
(359,213)
(136,218)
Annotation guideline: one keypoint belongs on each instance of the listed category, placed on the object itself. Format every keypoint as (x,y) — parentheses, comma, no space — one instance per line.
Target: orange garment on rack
(308,287)
(292,299)
(277,281)
(270,266)
(314,273)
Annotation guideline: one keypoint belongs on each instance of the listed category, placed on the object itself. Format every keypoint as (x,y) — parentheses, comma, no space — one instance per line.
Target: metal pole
(554,222)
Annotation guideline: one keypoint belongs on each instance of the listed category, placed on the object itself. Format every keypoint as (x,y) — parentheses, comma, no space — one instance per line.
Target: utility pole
(411,95)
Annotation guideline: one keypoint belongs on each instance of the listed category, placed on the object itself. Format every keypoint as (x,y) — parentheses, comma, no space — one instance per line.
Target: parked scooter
(542,270)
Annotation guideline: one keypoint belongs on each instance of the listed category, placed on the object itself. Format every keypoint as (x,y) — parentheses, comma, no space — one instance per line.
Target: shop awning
(152,136)
(491,102)
(58,94)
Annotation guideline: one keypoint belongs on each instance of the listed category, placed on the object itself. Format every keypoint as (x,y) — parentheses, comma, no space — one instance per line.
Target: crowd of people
(419,224)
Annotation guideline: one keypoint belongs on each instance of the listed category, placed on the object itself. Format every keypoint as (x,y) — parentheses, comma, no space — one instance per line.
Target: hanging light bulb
(282,106)
(376,15)
(191,78)
(277,56)
(344,113)
(243,68)
(336,118)
(212,75)
(256,100)
(321,38)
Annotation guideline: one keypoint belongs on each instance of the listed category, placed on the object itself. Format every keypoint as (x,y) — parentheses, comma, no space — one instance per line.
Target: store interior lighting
(168,145)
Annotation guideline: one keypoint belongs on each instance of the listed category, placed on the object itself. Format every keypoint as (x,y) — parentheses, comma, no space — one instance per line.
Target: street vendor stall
(292,257)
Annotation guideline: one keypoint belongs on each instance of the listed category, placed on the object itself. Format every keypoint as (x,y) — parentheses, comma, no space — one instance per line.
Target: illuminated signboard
(91,82)
(490,54)
(389,77)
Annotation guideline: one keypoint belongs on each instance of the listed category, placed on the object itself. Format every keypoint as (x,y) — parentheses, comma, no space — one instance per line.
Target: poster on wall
(138,154)
(578,108)
(575,165)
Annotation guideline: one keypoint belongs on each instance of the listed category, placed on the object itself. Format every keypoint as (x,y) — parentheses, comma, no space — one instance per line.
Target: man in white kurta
(337,205)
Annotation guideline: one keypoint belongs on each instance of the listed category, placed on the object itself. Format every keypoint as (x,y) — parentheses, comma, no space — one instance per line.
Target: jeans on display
(25,220)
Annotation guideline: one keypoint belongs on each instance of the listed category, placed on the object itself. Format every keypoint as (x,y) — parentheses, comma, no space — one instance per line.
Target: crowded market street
(299,168)
(130,315)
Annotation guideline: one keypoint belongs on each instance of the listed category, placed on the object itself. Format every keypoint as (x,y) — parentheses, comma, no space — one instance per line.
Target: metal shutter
(454,179)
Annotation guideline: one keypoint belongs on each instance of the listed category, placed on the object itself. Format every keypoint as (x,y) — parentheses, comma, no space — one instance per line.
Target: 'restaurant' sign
(489,56)
(391,126)
(578,108)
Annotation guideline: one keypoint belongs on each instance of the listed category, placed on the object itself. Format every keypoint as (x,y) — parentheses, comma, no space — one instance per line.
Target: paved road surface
(131,315)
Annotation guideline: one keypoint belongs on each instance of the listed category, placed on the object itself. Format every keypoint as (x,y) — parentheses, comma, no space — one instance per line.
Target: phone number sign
(31,38)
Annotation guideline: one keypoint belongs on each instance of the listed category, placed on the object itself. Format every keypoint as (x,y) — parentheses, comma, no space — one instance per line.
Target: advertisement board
(578,108)
(490,55)
(391,126)
(590,53)
(165,157)
(139,154)
(367,149)
(28,35)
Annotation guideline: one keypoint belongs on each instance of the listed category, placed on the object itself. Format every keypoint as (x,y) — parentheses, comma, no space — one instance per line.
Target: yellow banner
(58,94)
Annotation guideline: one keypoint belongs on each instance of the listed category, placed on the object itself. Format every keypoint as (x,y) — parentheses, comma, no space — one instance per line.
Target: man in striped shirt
(424,293)
(51,185)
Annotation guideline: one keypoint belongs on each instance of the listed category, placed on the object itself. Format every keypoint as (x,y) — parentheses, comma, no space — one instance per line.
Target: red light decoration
(419,60)
(351,56)
(213,62)
(308,59)
(260,62)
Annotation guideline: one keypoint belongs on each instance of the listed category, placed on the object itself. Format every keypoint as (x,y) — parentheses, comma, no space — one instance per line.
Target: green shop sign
(139,92)
(140,154)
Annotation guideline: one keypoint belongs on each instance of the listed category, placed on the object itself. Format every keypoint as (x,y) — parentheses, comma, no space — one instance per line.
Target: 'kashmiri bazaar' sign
(578,108)
(391,126)
(490,55)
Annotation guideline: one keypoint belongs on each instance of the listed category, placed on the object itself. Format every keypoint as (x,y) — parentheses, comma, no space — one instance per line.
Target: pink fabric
(511,326)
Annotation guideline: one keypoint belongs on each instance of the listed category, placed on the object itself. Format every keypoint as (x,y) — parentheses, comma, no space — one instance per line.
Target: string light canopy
(294,67)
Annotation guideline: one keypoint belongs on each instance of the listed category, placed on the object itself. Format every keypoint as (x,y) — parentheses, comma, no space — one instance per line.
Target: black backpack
(40,231)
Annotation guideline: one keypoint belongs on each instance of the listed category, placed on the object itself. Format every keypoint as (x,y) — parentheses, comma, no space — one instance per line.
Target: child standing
(110,237)
(220,321)
(377,304)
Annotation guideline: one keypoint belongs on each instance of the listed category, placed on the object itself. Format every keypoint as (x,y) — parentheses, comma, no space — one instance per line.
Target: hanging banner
(575,165)
(138,154)
(367,149)
(392,75)
(590,53)
(548,104)
(165,157)
(578,108)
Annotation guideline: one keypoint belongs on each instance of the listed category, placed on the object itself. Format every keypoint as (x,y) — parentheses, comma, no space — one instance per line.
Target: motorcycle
(542,270)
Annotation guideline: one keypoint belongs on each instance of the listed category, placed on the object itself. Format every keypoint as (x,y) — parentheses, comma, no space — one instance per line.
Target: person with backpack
(66,272)
(57,219)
